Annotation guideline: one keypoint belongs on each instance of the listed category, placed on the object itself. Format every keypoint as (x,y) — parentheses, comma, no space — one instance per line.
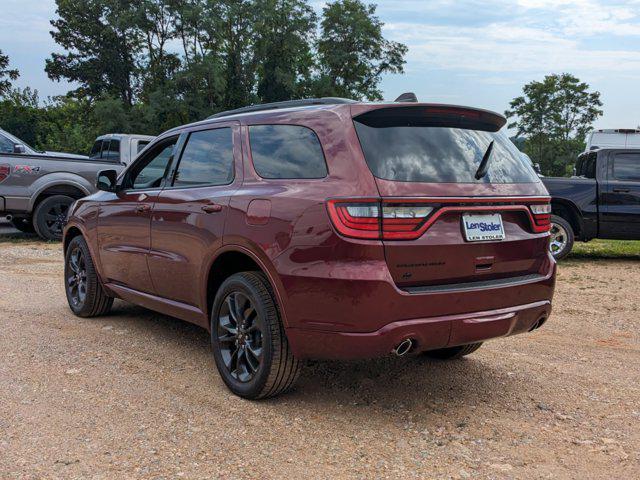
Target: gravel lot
(136,395)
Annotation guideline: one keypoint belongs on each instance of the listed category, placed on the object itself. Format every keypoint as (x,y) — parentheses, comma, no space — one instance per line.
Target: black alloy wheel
(240,334)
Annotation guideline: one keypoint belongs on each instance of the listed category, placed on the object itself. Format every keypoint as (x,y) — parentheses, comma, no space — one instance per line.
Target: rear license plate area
(483,228)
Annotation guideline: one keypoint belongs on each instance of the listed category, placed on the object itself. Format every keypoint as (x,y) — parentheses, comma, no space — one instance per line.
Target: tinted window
(141,145)
(586,165)
(6,145)
(207,159)
(111,151)
(150,170)
(286,151)
(440,154)
(96,149)
(626,166)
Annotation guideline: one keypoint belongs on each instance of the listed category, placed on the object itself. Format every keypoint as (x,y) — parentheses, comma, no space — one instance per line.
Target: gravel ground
(136,395)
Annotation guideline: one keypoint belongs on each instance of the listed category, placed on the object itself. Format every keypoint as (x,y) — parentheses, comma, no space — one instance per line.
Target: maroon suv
(324,229)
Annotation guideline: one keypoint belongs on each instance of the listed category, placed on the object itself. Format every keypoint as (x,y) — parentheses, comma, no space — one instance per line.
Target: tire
(88,298)
(50,216)
(562,237)
(25,225)
(453,353)
(247,299)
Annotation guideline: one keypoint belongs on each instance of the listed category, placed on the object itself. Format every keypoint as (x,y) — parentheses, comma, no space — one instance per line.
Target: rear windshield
(403,152)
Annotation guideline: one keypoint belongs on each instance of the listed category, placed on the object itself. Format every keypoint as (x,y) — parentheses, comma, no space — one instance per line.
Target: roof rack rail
(287,104)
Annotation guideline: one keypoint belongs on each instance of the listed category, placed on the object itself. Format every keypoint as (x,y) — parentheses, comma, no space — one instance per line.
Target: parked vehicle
(119,147)
(614,138)
(323,229)
(37,188)
(601,201)
(11,144)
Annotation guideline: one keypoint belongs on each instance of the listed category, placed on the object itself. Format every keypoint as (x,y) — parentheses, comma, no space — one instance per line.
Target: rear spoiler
(434,115)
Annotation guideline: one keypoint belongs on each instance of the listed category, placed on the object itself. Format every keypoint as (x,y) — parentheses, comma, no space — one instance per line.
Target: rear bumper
(427,333)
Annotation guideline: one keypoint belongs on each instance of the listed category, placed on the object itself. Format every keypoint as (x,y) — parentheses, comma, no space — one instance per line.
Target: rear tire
(85,293)
(249,343)
(25,225)
(562,237)
(50,216)
(453,353)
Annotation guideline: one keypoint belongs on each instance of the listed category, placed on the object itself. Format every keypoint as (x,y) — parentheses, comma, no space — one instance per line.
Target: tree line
(149,65)
(146,66)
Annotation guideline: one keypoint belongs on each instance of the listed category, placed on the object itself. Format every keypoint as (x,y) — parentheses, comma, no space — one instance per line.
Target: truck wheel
(85,294)
(452,353)
(249,343)
(50,216)
(23,224)
(562,237)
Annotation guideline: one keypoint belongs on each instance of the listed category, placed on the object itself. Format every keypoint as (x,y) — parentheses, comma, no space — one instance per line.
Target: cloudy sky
(467,52)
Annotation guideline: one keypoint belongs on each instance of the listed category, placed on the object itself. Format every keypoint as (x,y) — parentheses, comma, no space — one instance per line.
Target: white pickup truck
(119,147)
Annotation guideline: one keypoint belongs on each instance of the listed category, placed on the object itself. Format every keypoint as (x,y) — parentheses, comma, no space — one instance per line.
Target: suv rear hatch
(443,221)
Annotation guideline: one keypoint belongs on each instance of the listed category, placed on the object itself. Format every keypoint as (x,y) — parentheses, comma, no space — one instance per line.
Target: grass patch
(625,249)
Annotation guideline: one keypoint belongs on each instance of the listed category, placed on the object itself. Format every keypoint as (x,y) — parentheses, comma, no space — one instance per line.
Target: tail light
(541,217)
(5,170)
(376,219)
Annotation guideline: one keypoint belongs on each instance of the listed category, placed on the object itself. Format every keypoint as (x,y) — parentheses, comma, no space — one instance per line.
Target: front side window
(286,151)
(150,170)
(6,145)
(626,166)
(207,159)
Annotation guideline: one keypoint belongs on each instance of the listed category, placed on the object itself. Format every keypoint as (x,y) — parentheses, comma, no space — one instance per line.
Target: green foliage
(145,66)
(6,74)
(353,54)
(554,115)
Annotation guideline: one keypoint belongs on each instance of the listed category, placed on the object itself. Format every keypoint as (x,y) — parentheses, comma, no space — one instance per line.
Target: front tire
(85,293)
(562,237)
(50,216)
(249,343)
(453,353)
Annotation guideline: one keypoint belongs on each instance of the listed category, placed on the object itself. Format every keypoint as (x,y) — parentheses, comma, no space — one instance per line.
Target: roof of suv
(330,103)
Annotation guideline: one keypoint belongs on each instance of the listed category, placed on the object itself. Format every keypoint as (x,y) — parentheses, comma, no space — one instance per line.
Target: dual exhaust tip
(404,347)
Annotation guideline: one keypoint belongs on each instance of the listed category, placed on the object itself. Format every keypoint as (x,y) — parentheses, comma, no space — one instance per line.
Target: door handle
(212,208)
(621,190)
(142,208)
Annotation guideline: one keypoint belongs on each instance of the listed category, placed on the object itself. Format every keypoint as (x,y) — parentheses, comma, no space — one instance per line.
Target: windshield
(440,154)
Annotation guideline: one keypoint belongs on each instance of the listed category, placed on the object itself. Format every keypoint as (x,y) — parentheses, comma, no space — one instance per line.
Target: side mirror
(536,167)
(106,180)
(19,148)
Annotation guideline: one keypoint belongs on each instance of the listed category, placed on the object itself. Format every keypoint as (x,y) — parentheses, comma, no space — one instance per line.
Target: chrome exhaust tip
(9,218)
(403,348)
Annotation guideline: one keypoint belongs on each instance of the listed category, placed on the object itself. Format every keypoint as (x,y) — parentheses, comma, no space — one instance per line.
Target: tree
(285,32)
(554,115)
(6,74)
(353,54)
(103,41)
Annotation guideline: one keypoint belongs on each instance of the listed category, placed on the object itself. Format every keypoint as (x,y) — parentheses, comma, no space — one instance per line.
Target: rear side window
(626,166)
(438,151)
(96,149)
(112,150)
(207,159)
(586,165)
(286,151)
(141,145)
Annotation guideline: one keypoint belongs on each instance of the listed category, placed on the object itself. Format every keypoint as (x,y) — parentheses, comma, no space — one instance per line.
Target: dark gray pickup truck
(602,200)
(37,188)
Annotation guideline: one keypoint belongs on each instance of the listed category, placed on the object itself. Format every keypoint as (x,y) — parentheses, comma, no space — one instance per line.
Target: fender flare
(573,210)
(265,264)
(57,179)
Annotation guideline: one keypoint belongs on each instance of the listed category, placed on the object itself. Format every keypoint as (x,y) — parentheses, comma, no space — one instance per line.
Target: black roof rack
(288,104)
